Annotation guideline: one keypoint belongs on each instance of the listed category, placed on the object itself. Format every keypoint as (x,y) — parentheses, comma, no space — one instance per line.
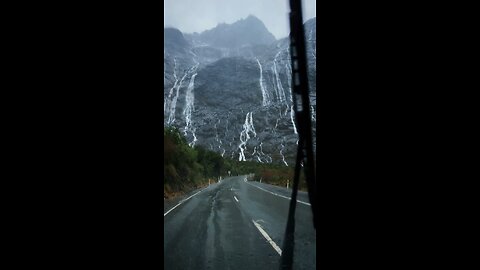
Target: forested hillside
(187,168)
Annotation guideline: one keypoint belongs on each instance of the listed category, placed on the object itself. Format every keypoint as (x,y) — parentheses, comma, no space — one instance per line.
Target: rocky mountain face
(229,90)
(245,32)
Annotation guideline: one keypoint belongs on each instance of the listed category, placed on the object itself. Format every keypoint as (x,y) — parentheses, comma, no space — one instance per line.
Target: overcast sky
(198,15)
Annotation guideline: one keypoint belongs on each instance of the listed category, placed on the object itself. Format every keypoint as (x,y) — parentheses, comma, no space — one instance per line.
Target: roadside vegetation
(187,168)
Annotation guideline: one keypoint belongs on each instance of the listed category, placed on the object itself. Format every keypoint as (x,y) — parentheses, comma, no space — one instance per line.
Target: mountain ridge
(247,31)
(236,100)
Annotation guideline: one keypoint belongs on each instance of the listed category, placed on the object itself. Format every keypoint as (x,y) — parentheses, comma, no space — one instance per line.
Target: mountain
(174,39)
(229,89)
(248,31)
(232,79)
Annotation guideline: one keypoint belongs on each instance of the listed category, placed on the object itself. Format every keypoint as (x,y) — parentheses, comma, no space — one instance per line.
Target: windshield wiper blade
(301,104)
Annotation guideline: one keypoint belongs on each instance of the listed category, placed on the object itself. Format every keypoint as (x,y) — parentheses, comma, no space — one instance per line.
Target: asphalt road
(236,224)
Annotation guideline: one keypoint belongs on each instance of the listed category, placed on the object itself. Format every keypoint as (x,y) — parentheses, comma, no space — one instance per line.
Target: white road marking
(264,233)
(235,198)
(182,201)
(288,198)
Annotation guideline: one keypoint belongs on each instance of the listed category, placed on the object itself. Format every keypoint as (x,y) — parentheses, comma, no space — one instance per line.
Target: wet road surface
(236,224)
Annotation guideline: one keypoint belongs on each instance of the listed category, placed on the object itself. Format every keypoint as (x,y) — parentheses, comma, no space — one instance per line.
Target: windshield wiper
(301,105)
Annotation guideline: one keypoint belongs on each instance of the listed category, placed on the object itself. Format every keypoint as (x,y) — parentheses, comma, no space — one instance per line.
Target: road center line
(288,198)
(264,233)
(235,198)
(182,201)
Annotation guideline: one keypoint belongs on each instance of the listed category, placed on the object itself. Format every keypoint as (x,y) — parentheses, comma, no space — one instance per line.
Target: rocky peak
(248,31)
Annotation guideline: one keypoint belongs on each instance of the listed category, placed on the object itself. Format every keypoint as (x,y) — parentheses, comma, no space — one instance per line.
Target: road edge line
(182,201)
(269,239)
(276,193)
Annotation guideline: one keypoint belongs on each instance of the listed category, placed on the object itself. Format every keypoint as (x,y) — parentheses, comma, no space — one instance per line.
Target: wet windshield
(231,135)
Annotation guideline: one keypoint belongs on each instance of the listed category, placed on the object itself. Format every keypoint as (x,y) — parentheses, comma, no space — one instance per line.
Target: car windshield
(231,135)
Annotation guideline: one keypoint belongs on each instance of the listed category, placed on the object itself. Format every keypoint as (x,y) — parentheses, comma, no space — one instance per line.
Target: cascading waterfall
(166,103)
(289,79)
(217,138)
(173,102)
(256,154)
(274,120)
(280,91)
(275,91)
(194,58)
(189,103)
(244,135)
(192,144)
(293,120)
(190,106)
(283,157)
(267,157)
(288,70)
(266,100)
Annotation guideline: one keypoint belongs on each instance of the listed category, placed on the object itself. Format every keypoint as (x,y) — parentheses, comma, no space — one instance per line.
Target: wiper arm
(301,105)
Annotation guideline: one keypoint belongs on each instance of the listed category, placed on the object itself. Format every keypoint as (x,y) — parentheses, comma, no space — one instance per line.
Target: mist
(191,16)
